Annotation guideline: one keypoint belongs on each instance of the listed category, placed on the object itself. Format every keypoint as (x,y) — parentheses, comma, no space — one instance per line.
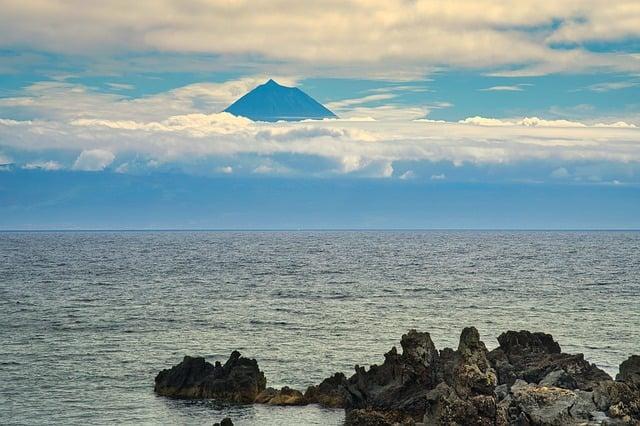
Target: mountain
(272,102)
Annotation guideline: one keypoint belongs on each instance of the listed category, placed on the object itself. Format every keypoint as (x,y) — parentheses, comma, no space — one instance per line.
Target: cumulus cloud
(538,122)
(93,160)
(370,37)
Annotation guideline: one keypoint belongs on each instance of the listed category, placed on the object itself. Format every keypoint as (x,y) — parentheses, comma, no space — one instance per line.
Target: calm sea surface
(88,319)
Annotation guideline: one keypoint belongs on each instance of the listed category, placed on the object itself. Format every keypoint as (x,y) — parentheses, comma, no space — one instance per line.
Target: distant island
(274,102)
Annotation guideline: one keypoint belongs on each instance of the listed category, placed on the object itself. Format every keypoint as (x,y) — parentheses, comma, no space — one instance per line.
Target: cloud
(560,173)
(512,88)
(409,174)
(121,86)
(612,85)
(393,37)
(43,165)
(440,176)
(93,160)
(345,103)
(167,134)
(5,160)
(526,121)
(225,169)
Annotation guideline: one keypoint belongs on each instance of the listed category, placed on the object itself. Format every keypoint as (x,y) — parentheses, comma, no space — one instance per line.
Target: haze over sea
(89,318)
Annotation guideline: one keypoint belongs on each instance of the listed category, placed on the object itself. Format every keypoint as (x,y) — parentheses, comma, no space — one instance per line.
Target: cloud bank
(96,131)
(372,37)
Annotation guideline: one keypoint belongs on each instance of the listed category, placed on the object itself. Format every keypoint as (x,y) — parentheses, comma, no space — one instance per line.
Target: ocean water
(88,319)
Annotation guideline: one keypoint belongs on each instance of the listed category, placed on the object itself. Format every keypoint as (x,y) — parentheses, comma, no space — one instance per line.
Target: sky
(452,114)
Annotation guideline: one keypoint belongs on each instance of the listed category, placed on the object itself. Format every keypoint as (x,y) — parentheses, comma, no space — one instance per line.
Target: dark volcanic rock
(467,388)
(630,370)
(526,381)
(225,422)
(364,417)
(238,380)
(533,356)
(401,383)
(331,392)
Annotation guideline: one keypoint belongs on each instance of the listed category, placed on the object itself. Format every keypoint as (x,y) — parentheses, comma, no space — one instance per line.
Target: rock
(559,379)
(619,400)
(544,405)
(366,417)
(284,396)
(468,385)
(526,381)
(533,356)
(630,370)
(225,422)
(239,380)
(331,392)
(401,383)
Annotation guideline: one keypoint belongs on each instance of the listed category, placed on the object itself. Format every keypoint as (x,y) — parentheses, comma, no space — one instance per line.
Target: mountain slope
(272,102)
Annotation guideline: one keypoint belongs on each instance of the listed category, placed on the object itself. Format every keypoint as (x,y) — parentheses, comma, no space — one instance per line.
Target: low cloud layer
(96,131)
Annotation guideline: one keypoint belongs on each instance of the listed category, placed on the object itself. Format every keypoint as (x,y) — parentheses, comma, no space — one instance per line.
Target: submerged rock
(238,380)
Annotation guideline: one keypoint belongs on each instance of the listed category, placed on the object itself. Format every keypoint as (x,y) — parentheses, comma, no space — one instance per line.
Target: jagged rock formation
(238,380)
(526,381)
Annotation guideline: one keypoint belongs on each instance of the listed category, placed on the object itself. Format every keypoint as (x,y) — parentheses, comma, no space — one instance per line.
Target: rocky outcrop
(239,380)
(467,382)
(526,381)
(536,358)
(630,370)
(332,392)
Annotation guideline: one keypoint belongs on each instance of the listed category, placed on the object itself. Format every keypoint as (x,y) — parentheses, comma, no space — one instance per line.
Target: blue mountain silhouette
(272,102)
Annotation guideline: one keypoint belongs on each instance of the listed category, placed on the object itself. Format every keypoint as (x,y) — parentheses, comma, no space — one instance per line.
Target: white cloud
(560,173)
(387,169)
(122,168)
(120,86)
(441,176)
(93,160)
(4,160)
(526,121)
(166,130)
(43,165)
(613,85)
(346,103)
(225,169)
(514,88)
(373,37)
(409,174)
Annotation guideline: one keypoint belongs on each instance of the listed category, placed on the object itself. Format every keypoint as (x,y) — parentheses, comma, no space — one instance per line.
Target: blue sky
(493,95)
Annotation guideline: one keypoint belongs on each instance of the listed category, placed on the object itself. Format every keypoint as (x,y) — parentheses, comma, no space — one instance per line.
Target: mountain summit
(272,102)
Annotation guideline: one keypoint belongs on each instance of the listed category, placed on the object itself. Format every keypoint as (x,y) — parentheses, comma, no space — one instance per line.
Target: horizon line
(319,230)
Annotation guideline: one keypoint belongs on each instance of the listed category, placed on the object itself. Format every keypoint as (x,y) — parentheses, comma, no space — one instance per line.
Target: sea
(87,319)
